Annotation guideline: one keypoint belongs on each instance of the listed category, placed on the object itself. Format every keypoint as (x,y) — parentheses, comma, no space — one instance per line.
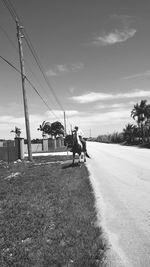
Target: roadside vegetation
(47,215)
(137,133)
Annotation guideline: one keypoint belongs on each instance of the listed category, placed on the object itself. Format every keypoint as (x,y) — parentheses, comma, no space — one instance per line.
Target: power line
(6,34)
(41,69)
(6,4)
(31,84)
(14,15)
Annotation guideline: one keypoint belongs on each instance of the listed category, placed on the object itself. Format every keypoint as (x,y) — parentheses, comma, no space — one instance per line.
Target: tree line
(133,133)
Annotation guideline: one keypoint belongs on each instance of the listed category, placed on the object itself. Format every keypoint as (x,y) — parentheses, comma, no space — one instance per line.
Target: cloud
(60,113)
(138,75)
(114,106)
(96,120)
(118,36)
(51,72)
(5,119)
(126,20)
(65,68)
(72,90)
(91,97)
(77,66)
(8,123)
(94,97)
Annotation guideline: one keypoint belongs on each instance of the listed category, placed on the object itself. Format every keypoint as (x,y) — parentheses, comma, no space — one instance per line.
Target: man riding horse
(80,134)
(77,143)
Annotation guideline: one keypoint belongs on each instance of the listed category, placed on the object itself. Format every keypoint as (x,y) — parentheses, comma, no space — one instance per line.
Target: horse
(77,148)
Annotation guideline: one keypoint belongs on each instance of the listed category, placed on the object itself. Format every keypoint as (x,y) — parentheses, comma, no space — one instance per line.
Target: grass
(47,215)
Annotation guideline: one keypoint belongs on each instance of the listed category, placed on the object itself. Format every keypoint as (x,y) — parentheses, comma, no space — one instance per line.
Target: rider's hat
(76,127)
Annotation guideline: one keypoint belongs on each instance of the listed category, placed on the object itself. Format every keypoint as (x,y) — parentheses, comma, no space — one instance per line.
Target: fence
(12,150)
(47,145)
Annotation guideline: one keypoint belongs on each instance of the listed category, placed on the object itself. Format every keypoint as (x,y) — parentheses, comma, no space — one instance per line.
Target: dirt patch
(47,215)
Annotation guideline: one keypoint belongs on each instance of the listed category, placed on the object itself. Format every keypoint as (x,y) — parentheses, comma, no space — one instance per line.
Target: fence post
(58,142)
(45,145)
(11,156)
(19,145)
(51,144)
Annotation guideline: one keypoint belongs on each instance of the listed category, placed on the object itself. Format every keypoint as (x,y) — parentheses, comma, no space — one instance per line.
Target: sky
(95,55)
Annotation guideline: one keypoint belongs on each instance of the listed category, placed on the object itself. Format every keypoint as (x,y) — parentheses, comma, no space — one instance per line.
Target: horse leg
(79,158)
(73,159)
(84,157)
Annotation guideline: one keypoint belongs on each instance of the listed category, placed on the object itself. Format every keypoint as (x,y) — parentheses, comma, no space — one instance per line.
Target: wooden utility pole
(64,123)
(71,128)
(20,36)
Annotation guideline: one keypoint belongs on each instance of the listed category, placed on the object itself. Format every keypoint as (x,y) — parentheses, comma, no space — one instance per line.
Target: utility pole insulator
(20,36)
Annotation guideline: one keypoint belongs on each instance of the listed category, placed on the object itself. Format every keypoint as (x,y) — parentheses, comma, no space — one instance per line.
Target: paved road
(121,180)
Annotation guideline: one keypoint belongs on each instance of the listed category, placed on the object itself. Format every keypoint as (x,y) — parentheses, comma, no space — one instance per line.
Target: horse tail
(87,155)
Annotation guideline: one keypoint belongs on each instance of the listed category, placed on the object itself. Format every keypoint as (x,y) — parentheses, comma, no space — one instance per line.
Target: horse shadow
(71,165)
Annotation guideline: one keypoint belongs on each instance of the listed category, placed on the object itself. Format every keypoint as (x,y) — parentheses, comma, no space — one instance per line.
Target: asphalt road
(121,181)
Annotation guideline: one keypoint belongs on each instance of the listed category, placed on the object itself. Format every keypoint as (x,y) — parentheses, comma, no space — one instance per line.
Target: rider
(81,137)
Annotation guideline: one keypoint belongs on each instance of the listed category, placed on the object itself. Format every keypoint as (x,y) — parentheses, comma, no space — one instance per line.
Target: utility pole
(64,123)
(71,128)
(20,36)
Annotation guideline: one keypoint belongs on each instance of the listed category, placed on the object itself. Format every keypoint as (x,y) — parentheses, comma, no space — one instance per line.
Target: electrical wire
(15,16)
(10,64)
(12,43)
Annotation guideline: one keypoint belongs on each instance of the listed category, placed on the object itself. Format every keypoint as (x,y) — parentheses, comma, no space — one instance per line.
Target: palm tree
(141,113)
(17,132)
(128,132)
(45,128)
(147,130)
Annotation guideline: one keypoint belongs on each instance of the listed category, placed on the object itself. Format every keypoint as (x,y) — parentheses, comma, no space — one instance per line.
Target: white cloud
(60,113)
(101,106)
(112,115)
(65,68)
(94,97)
(61,68)
(138,75)
(5,119)
(126,20)
(76,66)
(111,38)
(85,120)
(116,105)
(71,90)
(100,121)
(51,72)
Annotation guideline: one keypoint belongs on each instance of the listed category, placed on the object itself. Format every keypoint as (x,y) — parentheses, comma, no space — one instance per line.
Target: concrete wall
(12,150)
(8,155)
(8,152)
(35,148)
(49,144)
